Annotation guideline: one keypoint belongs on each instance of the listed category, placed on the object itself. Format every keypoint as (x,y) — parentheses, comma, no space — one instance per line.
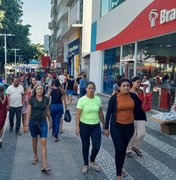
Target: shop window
(104,7)
(110,68)
(108,5)
(115,3)
(128,52)
(157,56)
(157,59)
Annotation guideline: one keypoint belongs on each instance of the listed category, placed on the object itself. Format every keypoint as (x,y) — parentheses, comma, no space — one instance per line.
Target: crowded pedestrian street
(65,156)
(88,90)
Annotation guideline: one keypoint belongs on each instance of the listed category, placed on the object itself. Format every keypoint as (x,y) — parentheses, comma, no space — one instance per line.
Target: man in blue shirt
(82,85)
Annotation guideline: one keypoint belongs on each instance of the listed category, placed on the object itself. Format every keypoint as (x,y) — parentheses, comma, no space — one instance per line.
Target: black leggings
(86,132)
(121,135)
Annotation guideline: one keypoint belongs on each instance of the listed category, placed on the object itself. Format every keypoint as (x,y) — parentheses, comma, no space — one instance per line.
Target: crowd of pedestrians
(41,100)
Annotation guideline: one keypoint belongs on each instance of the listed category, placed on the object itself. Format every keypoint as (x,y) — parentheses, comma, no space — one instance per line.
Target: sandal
(124,173)
(84,169)
(45,170)
(137,151)
(129,154)
(95,166)
(34,161)
(56,140)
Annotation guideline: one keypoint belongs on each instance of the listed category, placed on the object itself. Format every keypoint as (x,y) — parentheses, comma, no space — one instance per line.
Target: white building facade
(130,37)
(46,43)
(71,34)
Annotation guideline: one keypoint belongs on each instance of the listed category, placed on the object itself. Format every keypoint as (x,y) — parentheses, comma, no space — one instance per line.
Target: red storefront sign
(159,18)
(45,61)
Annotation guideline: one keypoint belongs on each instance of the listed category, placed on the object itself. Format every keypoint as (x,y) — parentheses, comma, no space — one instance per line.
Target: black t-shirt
(78,79)
(56,96)
(70,84)
(39,77)
(38,108)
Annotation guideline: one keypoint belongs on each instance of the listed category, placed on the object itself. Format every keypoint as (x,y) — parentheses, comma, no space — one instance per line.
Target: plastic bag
(67,116)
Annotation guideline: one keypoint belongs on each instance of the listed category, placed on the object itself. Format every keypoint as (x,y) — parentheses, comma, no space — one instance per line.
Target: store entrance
(127,69)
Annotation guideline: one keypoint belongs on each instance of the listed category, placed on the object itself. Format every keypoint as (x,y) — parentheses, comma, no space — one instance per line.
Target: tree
(33,51)
(11,23)
(38,50)
(12,14)
(1,15)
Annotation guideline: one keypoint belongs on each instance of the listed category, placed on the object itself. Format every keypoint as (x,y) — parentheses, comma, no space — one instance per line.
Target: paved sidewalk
(65,157)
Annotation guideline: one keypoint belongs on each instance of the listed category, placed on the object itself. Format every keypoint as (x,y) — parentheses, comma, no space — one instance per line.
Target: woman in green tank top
(88,116)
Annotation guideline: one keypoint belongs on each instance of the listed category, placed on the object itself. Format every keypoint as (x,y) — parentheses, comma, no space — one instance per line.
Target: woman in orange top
(123,108)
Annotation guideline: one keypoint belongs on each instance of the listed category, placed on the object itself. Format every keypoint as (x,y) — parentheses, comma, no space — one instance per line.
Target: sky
(37,14)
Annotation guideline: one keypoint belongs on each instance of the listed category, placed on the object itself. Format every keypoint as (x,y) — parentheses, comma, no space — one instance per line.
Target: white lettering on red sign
(153,17)
(167,15)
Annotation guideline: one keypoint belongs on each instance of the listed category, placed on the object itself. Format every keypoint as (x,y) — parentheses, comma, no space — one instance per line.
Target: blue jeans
(56,114)
(86,132)
(82,92)
(38,128)
(18,112)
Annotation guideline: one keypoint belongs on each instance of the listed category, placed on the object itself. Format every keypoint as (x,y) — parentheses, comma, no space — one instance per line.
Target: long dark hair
(34,90)
(32,86)
(57,83)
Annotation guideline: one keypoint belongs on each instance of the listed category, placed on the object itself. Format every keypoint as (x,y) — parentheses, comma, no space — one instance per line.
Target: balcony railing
(69,3)
(58,2)
(62,13)
(59,33)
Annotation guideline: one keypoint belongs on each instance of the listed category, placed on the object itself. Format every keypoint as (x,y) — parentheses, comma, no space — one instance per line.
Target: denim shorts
(70,92)
(38,128)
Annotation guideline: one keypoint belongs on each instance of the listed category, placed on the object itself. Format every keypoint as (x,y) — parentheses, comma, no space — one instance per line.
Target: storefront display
(135,41)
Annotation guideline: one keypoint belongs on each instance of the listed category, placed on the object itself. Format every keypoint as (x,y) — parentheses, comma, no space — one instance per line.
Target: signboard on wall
(73,47)
(45,61)
(158,18)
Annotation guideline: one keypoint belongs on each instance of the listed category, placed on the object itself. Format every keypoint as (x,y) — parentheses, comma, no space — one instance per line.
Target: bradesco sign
(157,18)
(164,16)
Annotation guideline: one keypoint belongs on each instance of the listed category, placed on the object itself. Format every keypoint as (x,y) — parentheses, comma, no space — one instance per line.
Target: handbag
(67,115)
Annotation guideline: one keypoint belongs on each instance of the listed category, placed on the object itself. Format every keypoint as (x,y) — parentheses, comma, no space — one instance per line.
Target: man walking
(15,92)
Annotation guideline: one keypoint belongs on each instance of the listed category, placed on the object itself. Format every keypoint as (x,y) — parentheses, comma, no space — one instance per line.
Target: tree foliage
(10,19)
(38,50)
(1,15)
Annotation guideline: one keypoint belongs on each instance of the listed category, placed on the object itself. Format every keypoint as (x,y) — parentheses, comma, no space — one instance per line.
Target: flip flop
(84,169)
(56,140)
(124,173)
(95,166)
(34,161)
(45,170)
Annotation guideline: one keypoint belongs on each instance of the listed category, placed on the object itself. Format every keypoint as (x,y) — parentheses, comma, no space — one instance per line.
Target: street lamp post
(15,50)
(5,53)
(19,58)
